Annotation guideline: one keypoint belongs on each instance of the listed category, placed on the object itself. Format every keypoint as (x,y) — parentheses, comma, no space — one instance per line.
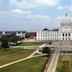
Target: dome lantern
(66,14)
(66,21)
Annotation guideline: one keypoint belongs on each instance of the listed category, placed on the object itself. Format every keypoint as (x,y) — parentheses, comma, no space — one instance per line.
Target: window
(69,34)
(66,34)
(63,38)
(69,38)
(63,34)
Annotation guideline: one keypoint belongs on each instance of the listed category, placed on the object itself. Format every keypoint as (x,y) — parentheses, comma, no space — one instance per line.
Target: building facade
(31,35)
(63,33)
(21,34)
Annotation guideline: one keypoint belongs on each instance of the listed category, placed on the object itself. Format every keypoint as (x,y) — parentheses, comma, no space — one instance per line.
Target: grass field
(30,43)
(13,54)
(31,65)
(64,64)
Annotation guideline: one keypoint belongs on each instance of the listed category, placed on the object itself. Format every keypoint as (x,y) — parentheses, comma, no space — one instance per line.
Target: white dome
(66,20)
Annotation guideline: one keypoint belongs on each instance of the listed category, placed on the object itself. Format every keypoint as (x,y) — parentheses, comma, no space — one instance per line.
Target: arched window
(63,34)
(63,38)
(66,34)
(69,34)
(69,38)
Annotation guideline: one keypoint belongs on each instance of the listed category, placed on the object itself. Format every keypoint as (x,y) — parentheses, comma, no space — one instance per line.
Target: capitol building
(64,33)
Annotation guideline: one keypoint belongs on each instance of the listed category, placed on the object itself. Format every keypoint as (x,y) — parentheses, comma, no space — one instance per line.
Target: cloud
(70,8)
(28,22)
(2,13)
(38,17)
(67,8)
(15,12)
(20,12)
(27,4)
(62,7)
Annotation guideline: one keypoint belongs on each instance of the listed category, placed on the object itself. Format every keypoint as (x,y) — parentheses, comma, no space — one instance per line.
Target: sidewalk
(53,63)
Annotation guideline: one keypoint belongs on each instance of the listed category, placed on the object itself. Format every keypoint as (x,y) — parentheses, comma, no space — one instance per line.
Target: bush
(50,43)
(46,50)
(5,44)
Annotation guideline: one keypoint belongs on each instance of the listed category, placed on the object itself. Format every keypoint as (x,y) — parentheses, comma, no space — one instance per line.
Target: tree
(4,38)
(5,44)
(27,36)
(10,39)
(46,50)
(50,43)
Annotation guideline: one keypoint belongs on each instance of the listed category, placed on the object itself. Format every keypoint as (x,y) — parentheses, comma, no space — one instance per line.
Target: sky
(32,15)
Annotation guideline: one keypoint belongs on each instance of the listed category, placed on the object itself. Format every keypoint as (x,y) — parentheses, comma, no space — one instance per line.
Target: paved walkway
(65,54)
(66,48)
(26,47)
(53,63)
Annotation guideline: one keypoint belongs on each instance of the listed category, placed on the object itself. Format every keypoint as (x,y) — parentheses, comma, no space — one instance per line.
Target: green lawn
(31,65)
(64,64)
(13,54)
(30,43)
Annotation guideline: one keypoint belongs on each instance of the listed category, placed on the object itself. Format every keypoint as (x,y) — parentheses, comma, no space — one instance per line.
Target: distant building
(17,33)
(21,34)
(31,35)
(47,35)
(8,33)
(64,33)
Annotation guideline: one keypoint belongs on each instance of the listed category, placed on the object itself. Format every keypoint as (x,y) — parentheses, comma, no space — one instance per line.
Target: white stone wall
(47,35)
(53,35)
